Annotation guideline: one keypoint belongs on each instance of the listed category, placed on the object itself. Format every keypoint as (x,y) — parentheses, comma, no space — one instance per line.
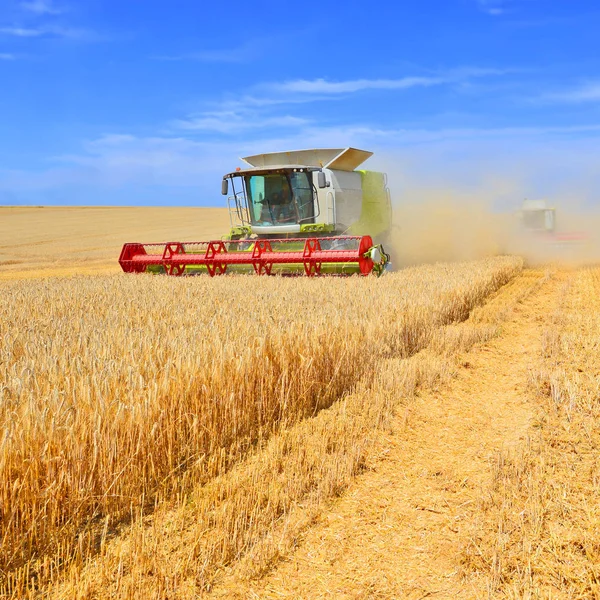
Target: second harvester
(306,212)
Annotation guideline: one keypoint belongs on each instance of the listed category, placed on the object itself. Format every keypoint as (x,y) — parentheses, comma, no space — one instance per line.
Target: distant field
(43,241)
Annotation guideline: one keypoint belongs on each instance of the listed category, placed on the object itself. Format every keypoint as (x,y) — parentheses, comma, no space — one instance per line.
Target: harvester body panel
(341,159)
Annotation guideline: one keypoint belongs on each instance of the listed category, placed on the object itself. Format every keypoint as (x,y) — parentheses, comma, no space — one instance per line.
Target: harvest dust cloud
(440,225)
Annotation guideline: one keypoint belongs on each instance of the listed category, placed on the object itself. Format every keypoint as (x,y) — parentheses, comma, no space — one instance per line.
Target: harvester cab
(302,212)
(308,191)
(538,221)
(536,216)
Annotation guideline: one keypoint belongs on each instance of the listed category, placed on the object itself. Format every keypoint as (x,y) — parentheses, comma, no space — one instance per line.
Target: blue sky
(150,102)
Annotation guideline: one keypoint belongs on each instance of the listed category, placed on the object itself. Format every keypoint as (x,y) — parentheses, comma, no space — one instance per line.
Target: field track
(402,528)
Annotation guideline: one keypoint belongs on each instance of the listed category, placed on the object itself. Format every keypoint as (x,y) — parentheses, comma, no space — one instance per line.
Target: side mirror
(225,187)
(321,180)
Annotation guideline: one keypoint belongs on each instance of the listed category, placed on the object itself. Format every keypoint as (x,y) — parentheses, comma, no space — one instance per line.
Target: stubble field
(174,438)
(49,241)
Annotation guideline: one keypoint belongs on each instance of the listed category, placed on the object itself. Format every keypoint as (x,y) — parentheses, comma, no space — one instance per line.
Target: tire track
(400,529)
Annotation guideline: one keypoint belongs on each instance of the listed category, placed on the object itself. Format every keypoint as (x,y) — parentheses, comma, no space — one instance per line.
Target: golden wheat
(115,391)
(41,241)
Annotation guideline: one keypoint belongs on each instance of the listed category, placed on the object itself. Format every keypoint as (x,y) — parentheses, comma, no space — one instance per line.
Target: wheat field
(116,389)
(178,437)
(58,240)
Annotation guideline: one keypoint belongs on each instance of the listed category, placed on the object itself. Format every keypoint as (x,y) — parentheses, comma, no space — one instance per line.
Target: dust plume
(432,225)
(440,224)
(458,196)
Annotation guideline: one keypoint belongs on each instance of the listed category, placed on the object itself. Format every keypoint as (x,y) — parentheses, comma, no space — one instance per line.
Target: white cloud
(21,31)
(118,158)
(259,102)
(111,140)
(38,25)
(494,8)
(168,166)
(233,122)
(420,136)
(239,54)
(118,150)
(51,31)
(589,92)
(42,7)
(326,87)
(365,136)
(247,51)
(305,91)
(323,86)
(5,56)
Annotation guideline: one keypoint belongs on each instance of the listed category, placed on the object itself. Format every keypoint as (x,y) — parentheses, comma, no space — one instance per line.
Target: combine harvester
(537,217)
(539,238)
(307,212)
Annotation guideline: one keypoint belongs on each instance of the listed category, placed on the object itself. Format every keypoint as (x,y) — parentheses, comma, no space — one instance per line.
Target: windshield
(280,198)
(534,219)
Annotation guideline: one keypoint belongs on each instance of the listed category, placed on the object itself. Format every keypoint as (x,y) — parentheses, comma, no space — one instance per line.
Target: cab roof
(269,169)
